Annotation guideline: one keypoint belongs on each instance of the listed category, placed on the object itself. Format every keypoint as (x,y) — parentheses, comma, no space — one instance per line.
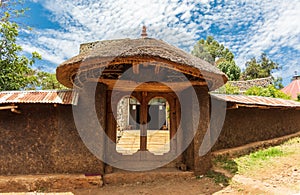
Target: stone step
(49,183)
(127,177)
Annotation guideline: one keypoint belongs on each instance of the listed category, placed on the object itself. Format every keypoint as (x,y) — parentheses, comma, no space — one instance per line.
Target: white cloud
(84,21)
(247,27)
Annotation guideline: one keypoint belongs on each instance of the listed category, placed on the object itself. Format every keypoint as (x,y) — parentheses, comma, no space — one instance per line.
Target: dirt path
(188,186)
(275,180)
(281,175)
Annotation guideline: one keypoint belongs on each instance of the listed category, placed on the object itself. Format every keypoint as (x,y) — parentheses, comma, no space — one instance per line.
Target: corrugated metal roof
(257,101)
(43,96)
(70,97)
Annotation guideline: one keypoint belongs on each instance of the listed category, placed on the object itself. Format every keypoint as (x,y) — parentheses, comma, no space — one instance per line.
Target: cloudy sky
(246,27)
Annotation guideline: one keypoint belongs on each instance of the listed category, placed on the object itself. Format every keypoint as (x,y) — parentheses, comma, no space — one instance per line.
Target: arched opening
(128,126)
(158,131)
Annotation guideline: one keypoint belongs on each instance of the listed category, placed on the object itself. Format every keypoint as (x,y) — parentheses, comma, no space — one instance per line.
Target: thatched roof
(109,52)
(293,89)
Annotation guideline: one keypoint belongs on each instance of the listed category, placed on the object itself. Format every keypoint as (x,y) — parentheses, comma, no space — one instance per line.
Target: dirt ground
(280,176)
(175,186)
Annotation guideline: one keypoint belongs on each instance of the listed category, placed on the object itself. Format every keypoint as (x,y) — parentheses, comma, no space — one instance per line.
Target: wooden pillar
(179,133)
(101,101)
(111,121)
(143,122)
(173,123)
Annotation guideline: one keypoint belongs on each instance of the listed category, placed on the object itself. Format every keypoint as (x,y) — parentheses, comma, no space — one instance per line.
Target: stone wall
(246,125)
(43,139)
(123,109)
(245,85)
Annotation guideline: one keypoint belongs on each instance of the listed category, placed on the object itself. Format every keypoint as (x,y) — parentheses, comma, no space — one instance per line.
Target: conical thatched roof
(109,52)
(293,89)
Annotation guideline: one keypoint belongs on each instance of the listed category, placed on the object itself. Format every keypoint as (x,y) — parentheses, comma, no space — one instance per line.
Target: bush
(269,91)
(229,89)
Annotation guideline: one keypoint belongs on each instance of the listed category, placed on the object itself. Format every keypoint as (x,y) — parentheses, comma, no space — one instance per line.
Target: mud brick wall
(43,139)
(195,121)
(246,125)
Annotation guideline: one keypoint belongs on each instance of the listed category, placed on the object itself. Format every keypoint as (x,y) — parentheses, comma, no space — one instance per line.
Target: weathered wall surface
(202,163)
(246,125)
(195,122)
(43,139)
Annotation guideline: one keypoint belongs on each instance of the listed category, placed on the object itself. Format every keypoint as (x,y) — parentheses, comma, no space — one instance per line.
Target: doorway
(149,128)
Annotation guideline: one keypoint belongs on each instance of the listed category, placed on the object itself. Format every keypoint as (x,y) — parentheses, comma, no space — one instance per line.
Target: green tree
(260,68)
(201,52)
(269,91)
(228,89)
(213,52)
(15,69)
(47,80)
(11,10)
(232,71)
(278,83)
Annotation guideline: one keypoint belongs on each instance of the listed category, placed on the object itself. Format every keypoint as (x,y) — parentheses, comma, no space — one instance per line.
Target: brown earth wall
(247,125)
(43,139)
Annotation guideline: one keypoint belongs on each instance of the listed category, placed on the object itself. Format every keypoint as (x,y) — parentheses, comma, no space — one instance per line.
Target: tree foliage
(47,80)
(212,48)
(269,91)
(16,72)
(9,11)
(278,83)
(260,68)
(232,71)
(228,89)
(15,69)
(213,52)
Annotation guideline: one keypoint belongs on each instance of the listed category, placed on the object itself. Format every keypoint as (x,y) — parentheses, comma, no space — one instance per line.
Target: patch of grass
(218,178)
(266,154)
(295,140)
(226,163)
(258,159)
(42,189)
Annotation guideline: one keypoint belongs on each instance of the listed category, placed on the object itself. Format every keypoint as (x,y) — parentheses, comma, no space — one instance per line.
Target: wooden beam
(8,107)
(232,106)
(136,68)
(125,85)
(157,69)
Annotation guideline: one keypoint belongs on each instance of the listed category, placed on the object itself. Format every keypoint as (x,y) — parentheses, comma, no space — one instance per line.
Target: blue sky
(247,27)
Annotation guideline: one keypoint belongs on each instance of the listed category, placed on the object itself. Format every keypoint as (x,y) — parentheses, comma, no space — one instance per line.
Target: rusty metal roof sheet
(43,96)
(70,97)
(257,101)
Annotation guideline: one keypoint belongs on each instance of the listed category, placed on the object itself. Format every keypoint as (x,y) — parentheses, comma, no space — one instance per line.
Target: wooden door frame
(144,98)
